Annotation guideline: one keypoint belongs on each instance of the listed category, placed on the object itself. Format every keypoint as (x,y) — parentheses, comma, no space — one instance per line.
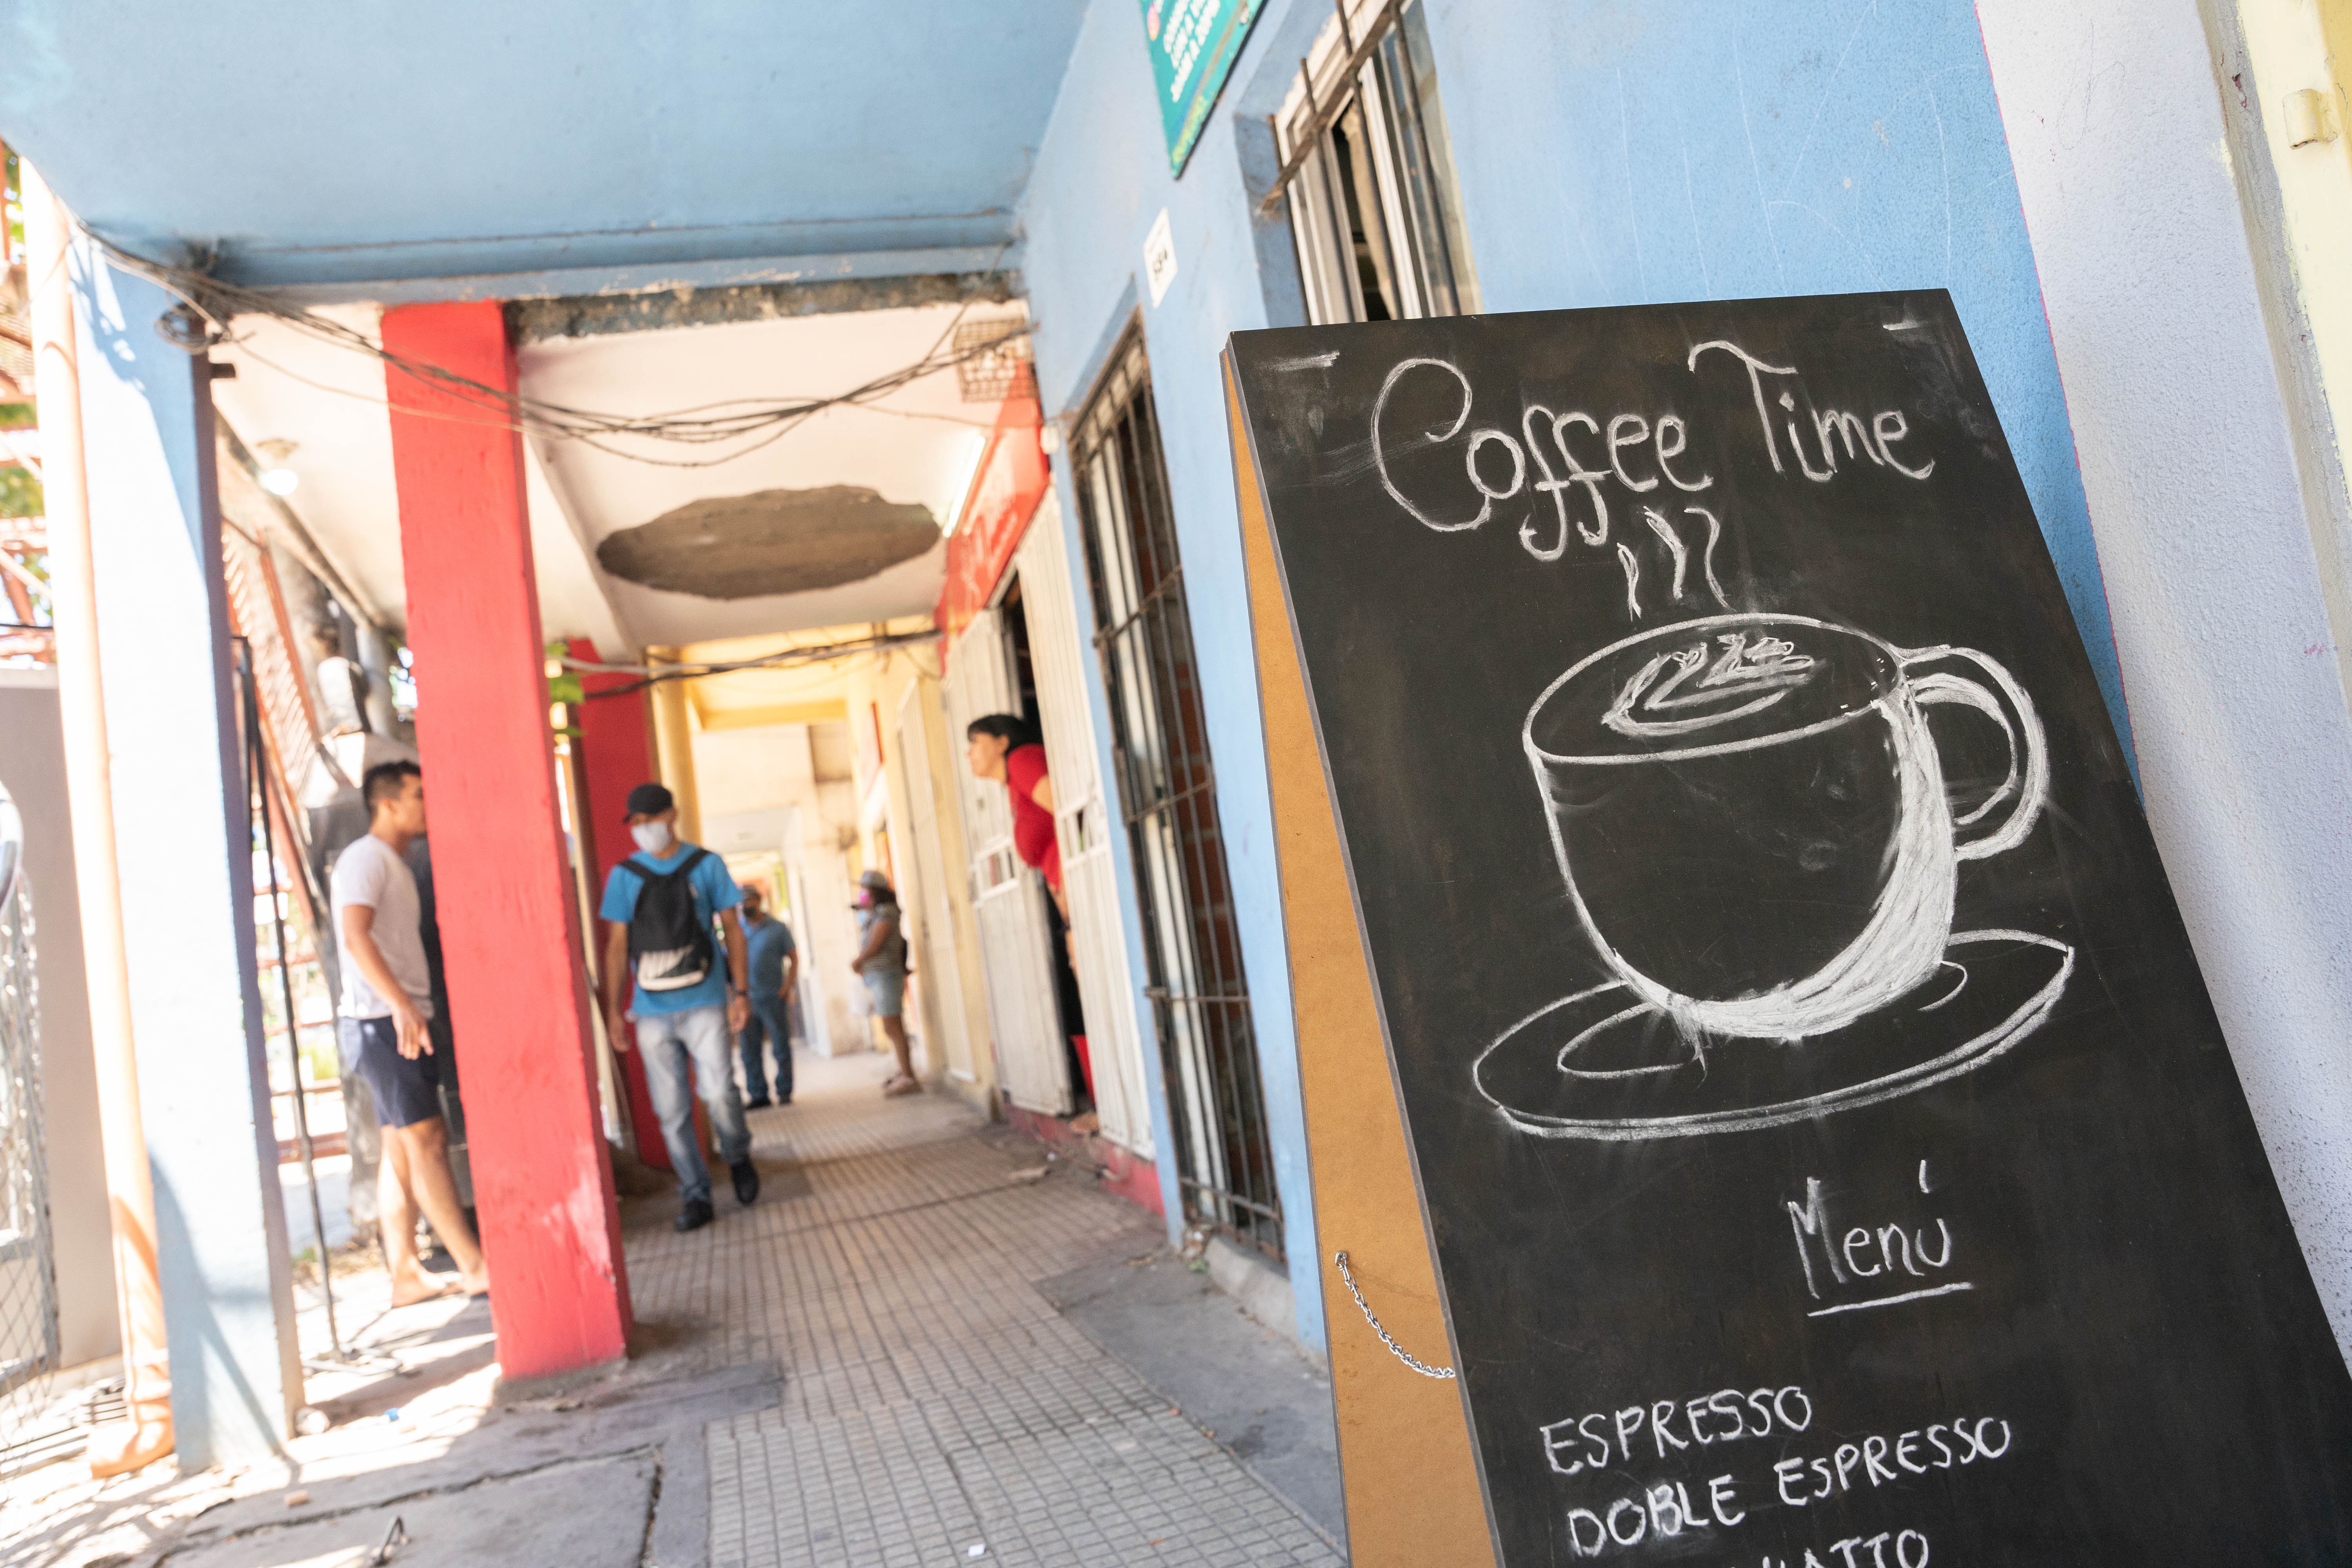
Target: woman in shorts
(881,963)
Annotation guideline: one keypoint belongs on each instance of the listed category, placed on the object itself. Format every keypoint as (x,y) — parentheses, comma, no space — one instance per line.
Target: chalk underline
(1890,1300)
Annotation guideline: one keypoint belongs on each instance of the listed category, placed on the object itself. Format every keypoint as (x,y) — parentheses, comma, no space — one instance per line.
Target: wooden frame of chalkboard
(1827,1149)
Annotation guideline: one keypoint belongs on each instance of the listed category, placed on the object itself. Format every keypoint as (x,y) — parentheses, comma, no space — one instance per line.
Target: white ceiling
(915,446)
(329,402)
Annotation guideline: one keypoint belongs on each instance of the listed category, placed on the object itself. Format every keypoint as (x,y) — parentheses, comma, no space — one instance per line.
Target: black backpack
(669,946)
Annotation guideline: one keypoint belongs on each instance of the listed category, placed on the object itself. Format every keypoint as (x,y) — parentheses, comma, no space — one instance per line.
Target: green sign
(1193,45)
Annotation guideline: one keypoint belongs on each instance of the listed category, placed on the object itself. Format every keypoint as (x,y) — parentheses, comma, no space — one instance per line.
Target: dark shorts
(406,1090)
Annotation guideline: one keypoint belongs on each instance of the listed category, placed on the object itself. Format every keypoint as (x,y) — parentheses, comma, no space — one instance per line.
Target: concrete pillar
(374,654)
(184,852)
(674,745)
(614,751)
(510,925)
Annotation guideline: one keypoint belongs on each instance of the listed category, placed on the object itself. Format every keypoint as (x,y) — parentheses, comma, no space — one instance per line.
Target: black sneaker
(747,1181)
(759,1102)
(694,1216)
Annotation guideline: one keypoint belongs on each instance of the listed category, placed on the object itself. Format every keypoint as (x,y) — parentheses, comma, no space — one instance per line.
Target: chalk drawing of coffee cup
(1752,818)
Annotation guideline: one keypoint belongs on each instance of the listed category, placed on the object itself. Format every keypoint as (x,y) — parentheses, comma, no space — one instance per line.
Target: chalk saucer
(1601,1064)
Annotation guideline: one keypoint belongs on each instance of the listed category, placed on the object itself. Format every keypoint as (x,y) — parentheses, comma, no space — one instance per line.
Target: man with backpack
(658,909)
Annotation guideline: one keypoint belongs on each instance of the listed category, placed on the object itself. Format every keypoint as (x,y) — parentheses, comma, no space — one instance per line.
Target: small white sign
(1160,258)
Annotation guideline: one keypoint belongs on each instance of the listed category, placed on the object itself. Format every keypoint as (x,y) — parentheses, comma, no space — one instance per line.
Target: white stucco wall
(2114,119)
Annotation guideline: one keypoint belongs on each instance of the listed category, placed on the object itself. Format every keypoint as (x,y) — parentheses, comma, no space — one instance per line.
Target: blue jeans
(768,1025)
(668,1040)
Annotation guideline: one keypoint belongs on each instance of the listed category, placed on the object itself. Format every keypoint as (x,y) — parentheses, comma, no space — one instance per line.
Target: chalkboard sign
(1830,1150)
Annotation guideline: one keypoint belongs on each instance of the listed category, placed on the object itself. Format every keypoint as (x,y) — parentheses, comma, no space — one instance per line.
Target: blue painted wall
(1608,154)
(1101,179)
(1713,151)
(436,139)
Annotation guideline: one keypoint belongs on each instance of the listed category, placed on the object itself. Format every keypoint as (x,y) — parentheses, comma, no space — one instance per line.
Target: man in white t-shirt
(387,999)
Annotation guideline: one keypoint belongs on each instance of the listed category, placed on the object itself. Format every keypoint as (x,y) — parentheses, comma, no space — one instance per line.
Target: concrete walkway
(869,1367)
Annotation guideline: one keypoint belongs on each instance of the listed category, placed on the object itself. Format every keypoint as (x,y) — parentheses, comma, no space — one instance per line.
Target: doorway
(1068,1004)
(1007,898)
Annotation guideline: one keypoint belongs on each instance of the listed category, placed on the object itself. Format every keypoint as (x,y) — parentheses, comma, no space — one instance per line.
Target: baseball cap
(650,800)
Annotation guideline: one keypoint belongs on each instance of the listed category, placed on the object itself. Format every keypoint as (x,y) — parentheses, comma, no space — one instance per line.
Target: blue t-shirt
(772,943)
(714,890)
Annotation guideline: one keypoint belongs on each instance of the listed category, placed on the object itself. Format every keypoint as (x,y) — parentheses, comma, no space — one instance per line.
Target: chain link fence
(29,1286)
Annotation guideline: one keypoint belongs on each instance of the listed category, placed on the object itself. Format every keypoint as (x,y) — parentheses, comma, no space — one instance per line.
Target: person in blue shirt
(686,1002)
(775,965)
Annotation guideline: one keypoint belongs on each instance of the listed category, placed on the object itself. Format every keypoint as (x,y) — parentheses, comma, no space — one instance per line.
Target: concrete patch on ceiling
(596,315)
(770,542)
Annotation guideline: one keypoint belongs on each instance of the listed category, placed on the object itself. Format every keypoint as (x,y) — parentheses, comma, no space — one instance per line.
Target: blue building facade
(1600,155)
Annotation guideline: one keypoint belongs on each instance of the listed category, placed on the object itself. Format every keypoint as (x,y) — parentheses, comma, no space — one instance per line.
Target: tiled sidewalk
(858,1372)
(937,1410)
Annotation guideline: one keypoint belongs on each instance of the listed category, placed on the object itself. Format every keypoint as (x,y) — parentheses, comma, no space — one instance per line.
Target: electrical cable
(208,307)
(246,350)
(820,653)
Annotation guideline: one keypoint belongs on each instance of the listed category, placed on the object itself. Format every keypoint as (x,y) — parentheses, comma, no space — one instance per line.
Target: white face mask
(653,837)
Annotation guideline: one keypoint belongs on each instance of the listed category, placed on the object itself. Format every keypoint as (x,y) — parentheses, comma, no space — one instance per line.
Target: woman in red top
(1002,747)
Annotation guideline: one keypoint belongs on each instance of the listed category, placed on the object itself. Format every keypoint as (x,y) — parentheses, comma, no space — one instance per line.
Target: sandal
(900,1083)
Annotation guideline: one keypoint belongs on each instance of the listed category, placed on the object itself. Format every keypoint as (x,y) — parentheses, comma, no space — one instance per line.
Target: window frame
(1364,75)
(1203,1016)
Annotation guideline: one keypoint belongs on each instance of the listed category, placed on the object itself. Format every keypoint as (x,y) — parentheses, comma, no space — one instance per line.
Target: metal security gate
(1167,793)
(28,1285)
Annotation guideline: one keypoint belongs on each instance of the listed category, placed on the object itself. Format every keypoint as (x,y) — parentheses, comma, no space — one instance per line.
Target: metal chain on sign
(1395,1349)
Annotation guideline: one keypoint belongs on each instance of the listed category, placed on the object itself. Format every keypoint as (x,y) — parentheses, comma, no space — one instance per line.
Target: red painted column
(510,929)
(616,756)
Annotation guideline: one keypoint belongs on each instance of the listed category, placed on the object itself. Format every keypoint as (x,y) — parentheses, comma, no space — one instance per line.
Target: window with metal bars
(1367,174)
(1168,795)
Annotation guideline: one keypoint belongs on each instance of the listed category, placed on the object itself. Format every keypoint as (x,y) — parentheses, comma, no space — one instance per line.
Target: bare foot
(477,1283)
(900,1083)
(423,1288)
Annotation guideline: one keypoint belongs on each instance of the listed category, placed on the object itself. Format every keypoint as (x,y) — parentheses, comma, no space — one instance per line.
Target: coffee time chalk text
(1621,481)
(1832,427)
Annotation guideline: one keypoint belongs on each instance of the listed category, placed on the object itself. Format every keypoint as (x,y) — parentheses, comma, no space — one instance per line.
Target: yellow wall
(674,745)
